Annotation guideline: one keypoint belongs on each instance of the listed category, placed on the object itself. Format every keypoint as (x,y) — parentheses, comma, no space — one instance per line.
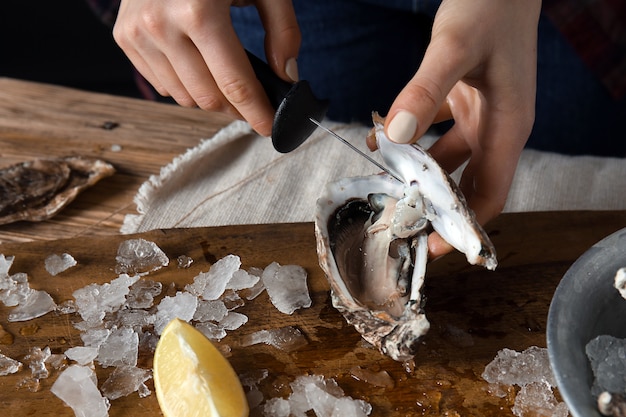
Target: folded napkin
(236,177)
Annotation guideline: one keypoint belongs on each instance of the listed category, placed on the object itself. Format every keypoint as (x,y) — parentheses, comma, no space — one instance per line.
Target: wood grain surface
(45,121)
(473,312)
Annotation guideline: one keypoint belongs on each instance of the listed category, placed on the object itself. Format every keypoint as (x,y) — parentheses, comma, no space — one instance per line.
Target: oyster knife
(354,148)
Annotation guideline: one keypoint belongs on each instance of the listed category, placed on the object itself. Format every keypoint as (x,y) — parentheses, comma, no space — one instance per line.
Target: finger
(444,113)
(197,86)
(451,150)
(229,65)
(283,37)
(418,103)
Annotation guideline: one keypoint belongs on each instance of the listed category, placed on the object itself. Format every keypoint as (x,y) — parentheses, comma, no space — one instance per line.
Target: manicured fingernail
(402,127)
(291,69)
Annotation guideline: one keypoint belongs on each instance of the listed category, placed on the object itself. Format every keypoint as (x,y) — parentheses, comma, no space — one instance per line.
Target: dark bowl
(585,305)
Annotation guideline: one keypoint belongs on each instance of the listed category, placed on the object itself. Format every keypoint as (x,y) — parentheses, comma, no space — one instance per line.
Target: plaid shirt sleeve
(597,31)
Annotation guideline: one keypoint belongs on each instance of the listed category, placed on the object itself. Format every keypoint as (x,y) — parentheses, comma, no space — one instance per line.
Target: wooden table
(473,313)
(39,121)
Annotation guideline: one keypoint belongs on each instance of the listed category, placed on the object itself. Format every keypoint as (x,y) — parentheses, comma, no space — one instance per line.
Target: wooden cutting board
(473,313)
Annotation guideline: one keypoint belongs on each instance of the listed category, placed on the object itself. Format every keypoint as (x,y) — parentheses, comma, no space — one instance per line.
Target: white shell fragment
(372,243)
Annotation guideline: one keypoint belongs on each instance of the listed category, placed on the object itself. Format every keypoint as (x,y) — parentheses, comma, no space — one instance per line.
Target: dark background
(62,42)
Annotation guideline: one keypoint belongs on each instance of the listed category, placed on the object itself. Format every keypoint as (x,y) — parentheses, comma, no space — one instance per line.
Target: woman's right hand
(188,49)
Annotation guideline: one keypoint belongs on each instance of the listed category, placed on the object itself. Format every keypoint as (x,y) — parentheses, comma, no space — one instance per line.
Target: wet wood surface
(137,136)
(474,313)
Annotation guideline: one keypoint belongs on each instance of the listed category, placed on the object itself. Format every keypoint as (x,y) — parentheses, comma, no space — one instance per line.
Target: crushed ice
(123,317)
(139,256)
(77,387)
(8,365)
(284,338)
(55,264)
(531,371)
(16,292)
(314,393)
(286,286)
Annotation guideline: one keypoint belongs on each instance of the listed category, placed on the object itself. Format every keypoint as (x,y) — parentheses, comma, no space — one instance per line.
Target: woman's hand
(479,69)
(188,49)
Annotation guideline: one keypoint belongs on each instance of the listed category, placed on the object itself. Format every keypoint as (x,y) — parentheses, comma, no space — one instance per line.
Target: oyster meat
(372,235)
(37,190)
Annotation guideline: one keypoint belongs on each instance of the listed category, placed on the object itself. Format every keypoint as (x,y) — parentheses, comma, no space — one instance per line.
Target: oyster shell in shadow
(37,190)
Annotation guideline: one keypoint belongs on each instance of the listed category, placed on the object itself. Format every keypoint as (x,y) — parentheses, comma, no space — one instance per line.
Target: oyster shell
(37,190)
(372,235)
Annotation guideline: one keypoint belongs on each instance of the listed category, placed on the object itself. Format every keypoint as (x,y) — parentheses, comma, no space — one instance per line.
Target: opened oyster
(372,243)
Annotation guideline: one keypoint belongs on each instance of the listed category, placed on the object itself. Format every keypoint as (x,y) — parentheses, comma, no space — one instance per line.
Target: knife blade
(351,146)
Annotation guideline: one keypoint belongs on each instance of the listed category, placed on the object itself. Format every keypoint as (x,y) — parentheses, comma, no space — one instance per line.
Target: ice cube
(323,397)
(95,337)
(36,361)
(83,355)
(210,310)
(285,338)
(139,256)
(286,285)
(142,293)
(184,261)
(125,380)
(183,306)
(55,264)
(537,399)
(57,361)
(36,304)
(134,318)
(241,280)
(510,367)
(15,289)
(120,348)
(233,321)
(530,370)
(607,356)
(94,301)
(8,365)
(77,387)
(211,330)
(277,407)
(5,265)
(211,285)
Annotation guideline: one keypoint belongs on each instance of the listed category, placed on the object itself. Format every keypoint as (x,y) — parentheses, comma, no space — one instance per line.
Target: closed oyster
(37,190)
(372,243)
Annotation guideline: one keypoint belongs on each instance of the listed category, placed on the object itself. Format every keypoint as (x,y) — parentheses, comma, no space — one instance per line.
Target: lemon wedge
(192,378)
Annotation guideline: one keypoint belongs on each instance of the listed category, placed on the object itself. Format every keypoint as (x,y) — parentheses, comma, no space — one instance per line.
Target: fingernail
(402,127)
(291,69)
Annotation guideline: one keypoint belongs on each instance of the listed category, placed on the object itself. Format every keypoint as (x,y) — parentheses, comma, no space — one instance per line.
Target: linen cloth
(236,177)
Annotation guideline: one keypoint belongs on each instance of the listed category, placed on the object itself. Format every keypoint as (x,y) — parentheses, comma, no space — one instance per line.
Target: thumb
(420,101)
